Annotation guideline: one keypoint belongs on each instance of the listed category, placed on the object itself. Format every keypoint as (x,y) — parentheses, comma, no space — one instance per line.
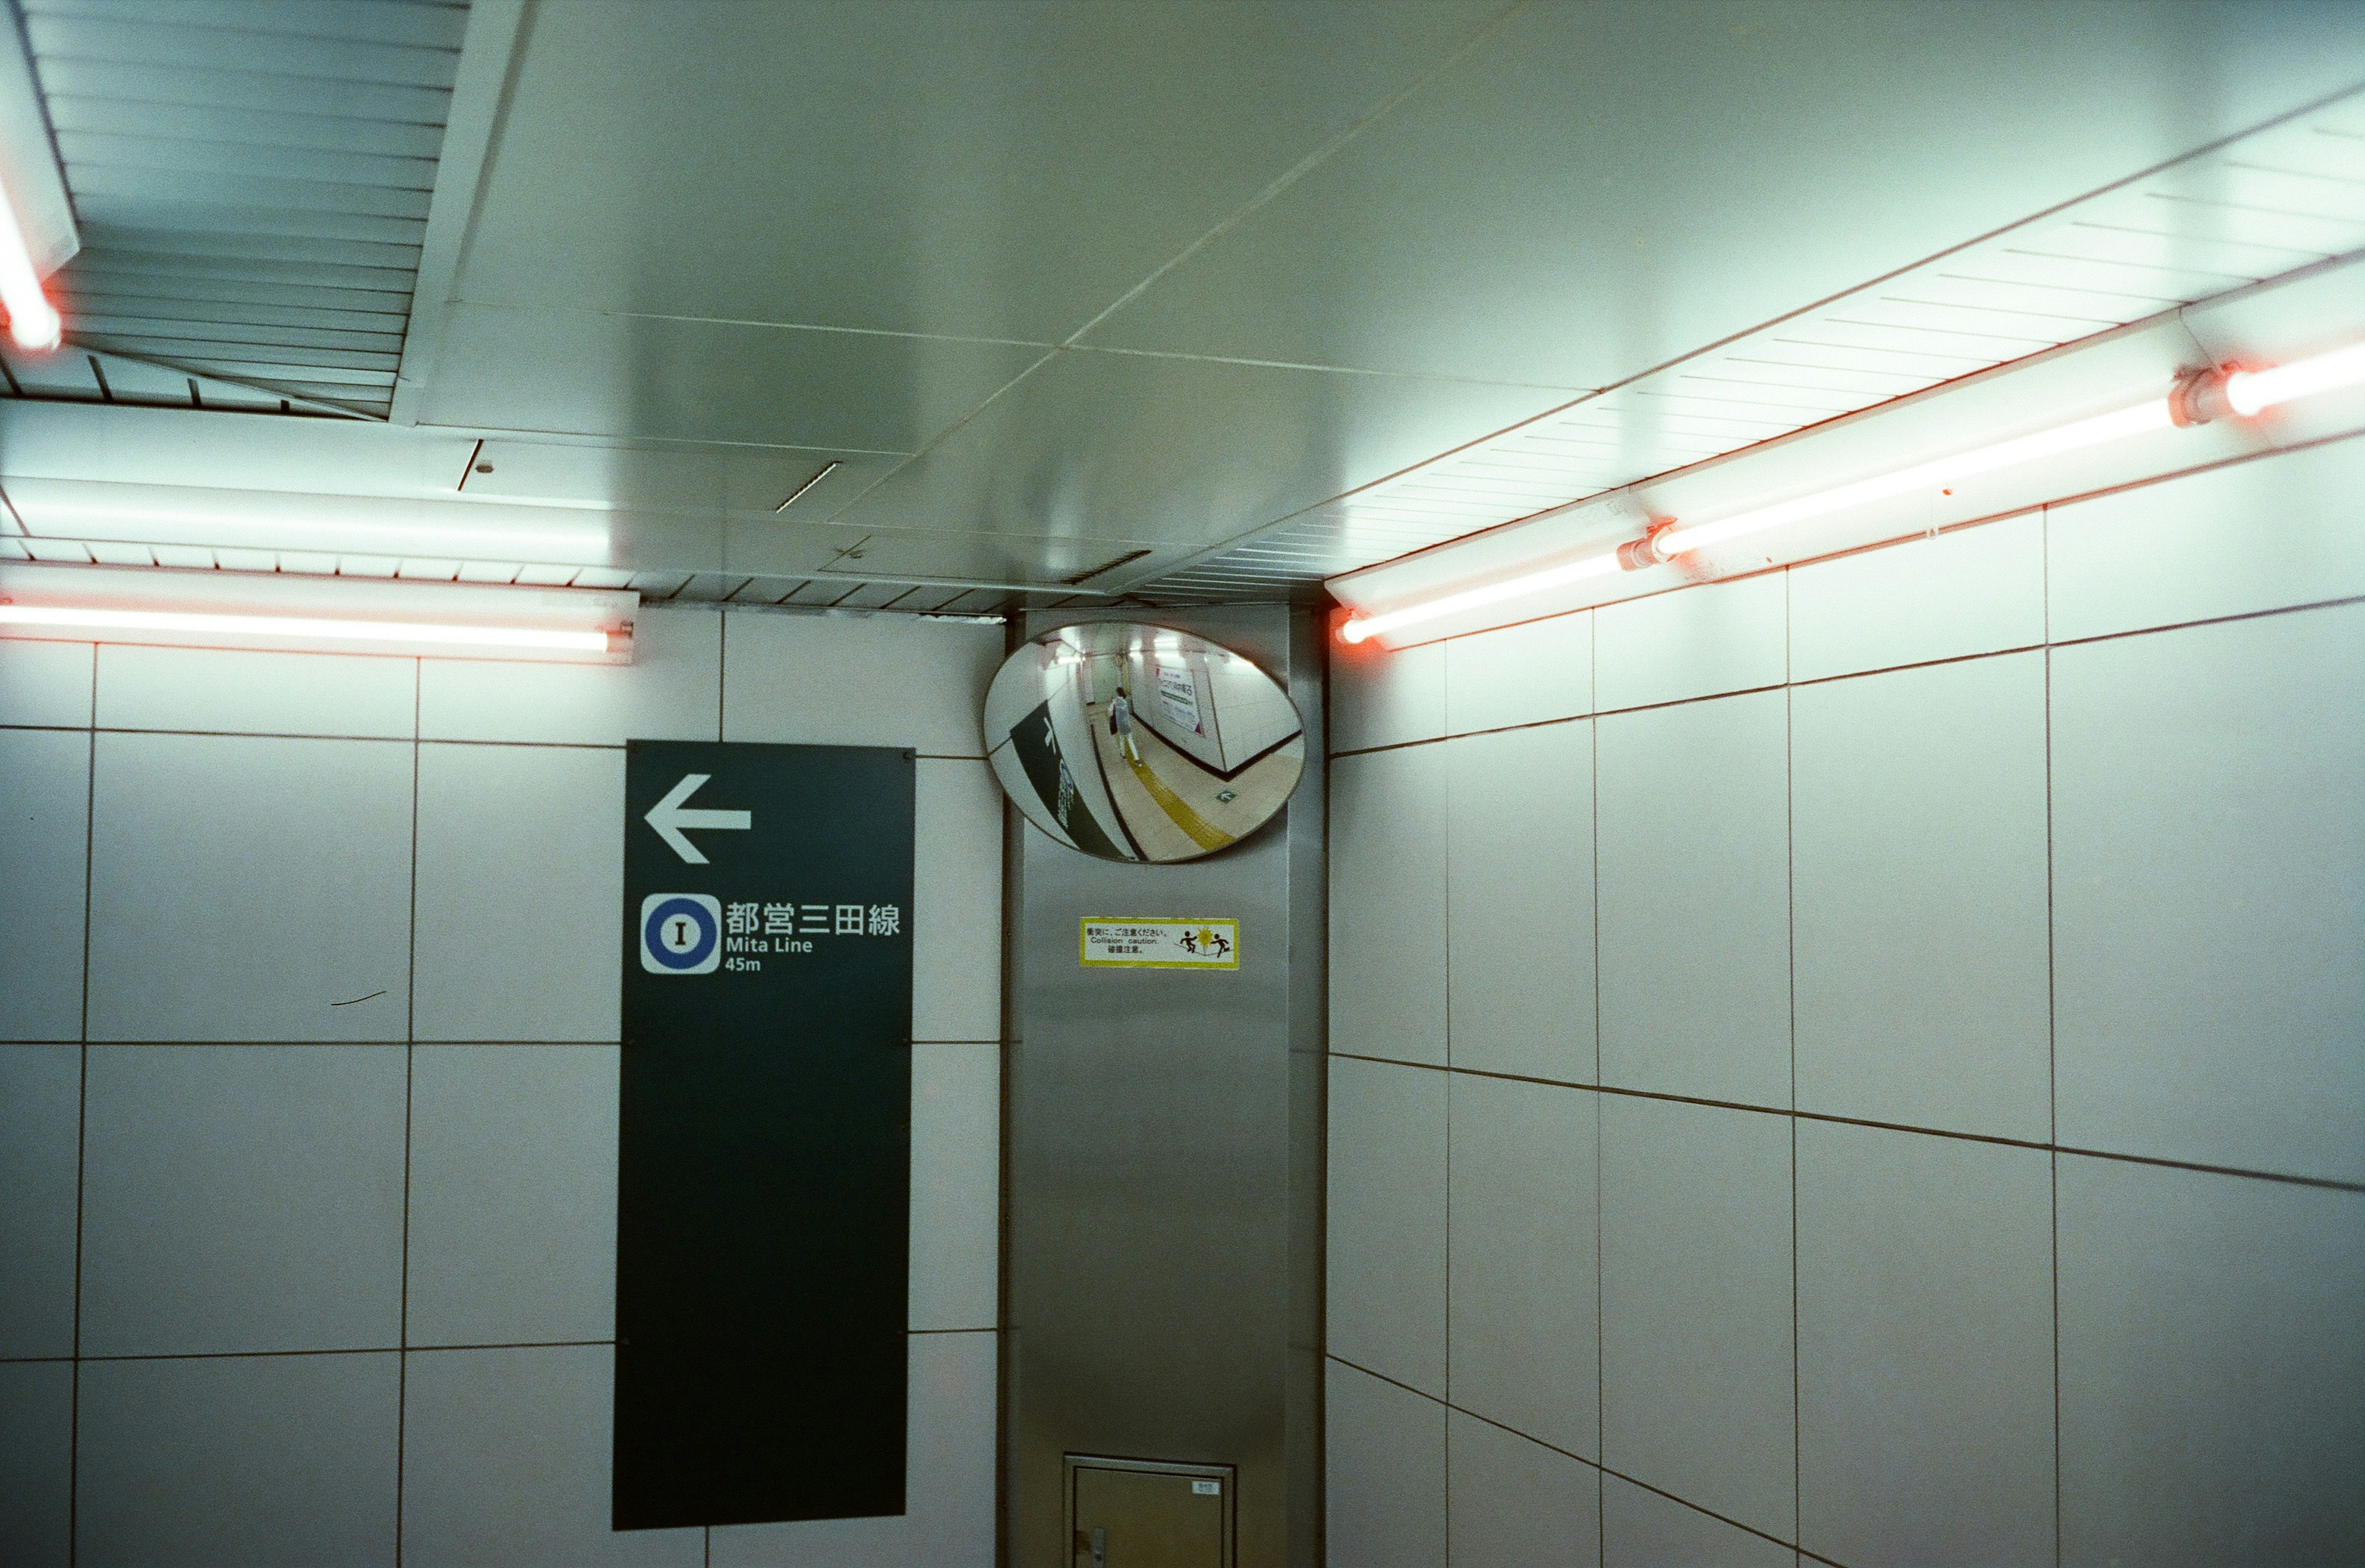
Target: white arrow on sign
(669,816)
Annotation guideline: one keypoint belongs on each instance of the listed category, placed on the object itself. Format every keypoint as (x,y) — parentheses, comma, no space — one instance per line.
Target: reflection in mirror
(1142,743)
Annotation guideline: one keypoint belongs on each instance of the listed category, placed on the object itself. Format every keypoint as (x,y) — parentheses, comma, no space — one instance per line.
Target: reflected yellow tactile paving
(1189,821)
(1167,831)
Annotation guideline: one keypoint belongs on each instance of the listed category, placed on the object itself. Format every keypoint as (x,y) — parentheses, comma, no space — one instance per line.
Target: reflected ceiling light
(2197,399)
(302,629)
(33,322)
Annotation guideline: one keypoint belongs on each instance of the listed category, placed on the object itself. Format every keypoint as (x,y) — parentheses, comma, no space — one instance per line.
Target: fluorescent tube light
(313,628)
(295,613)
(2249,392)
(1357,627)
(2116,426)
(33,322)
(2196,399)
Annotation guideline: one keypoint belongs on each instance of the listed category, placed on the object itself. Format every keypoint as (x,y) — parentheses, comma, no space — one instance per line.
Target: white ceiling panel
(1196,299)
(746,383)
(2031,288)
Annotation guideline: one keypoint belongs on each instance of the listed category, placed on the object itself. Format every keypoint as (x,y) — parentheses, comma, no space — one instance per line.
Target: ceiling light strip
(314,629)
(2196,399)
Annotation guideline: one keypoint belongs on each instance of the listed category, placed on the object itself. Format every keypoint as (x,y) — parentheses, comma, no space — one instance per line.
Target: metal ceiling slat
(765,590)
(2334,185)
(376,395)
(260,360)
(711,588)
(246,161)
(1850,356)
(248,224)
(431,26)
(927,600)
(1989,348)
(331,266)
(2036,331)
(311,205)
(53,375)
(1739,377)
(2080,310)
(2095,241)
(2107,276)
(195,308)
(186,329)
(2270,190)
(257,128)
(1469,479)
(184,47)
(240,89)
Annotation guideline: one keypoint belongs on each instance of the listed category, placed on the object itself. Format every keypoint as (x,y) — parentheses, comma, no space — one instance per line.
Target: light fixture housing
(275,612)
(2115,409)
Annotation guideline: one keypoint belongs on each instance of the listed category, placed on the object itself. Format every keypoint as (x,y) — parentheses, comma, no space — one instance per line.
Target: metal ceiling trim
(490,52)
(995,585)
(213,372)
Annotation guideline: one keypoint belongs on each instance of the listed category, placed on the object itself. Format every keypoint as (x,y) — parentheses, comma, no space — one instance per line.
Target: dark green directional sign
(763,1194)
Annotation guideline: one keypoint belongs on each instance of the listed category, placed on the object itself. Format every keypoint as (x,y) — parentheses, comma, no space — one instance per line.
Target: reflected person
(1120,715)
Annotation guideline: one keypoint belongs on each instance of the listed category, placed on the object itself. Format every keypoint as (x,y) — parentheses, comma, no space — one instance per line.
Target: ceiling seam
(1304,166)
(1288,178)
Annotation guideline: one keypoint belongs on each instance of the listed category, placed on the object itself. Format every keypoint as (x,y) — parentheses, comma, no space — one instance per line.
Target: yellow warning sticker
(1161,942)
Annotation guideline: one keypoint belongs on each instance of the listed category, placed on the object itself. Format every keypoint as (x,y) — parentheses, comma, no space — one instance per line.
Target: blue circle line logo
(700,917)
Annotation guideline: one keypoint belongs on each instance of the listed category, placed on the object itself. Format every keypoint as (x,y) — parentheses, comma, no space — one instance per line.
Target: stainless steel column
(1162,1270)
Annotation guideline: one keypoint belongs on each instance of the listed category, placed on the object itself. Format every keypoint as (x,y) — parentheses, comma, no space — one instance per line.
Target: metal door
(1142,1514)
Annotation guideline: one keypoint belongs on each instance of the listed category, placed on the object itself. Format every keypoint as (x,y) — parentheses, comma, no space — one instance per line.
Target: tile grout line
(2160,1161)
(1446,1490)
(1600,1199)
(410,1074)
(1594,1465)
(2052,1023)
(1790,967)
(82,1128)
(721,708)
(418,741)
(351,1350)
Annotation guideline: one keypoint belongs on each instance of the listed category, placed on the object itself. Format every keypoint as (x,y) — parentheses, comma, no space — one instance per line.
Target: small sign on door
(1161,942)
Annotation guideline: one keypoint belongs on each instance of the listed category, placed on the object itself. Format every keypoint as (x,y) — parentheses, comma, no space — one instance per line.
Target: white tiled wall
(308,1184)
(1918,997)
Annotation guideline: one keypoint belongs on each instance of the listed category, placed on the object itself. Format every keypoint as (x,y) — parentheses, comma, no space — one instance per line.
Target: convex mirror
(1142,743)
